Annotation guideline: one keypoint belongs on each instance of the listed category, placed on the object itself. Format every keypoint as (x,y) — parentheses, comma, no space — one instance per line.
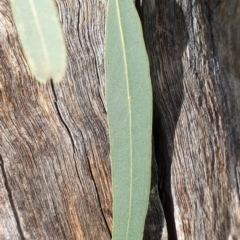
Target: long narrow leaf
(41,37)
(129,109)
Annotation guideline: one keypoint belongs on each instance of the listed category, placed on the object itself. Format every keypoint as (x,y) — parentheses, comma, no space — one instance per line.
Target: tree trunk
(55,180)
(193,47)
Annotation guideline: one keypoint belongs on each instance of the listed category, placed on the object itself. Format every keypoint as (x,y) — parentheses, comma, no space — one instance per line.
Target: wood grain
(54,143)
(194,48)
(55,180)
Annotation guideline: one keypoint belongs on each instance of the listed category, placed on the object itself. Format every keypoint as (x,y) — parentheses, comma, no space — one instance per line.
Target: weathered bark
(54,144)
(54,152)
(194,49)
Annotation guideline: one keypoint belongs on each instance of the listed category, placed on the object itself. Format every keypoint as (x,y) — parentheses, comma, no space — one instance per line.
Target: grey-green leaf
(129,110)
(41,37)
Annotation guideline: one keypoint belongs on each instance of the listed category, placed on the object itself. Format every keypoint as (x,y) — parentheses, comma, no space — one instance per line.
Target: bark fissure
(160,139)
(164,194)
(11,201)
(237,169)
(74,152)
(99,201)
(66,127)
(56,171)
(209,18)
(61,117)
(97,194)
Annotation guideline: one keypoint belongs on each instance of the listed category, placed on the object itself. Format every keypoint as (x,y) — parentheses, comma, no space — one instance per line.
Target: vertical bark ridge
(195,113)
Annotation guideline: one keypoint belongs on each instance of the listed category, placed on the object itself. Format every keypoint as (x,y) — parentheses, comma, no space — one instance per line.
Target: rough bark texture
(55,180)
(194,49)
(54,145)
(54,152)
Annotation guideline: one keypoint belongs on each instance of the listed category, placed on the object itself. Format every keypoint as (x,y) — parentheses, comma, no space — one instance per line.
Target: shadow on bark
(166,38)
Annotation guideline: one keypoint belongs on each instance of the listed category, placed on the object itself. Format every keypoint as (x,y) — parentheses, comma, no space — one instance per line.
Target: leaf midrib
(129,110)
(39,31)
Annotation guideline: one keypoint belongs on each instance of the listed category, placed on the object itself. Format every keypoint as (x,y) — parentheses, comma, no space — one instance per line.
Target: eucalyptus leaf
(41,37)
(129,110)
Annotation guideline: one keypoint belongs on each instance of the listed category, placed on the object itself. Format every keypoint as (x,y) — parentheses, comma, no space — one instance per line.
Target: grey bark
(54,149)
(54,146)
(55,180)
(193,48)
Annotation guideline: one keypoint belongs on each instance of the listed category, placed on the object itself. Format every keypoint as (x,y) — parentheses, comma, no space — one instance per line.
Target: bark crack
(97,194)
(11,199)
(74,151)
(163,162)
(66,127)
(209,18)
(88,161)
(98,198)
(60,115)
(237,169)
